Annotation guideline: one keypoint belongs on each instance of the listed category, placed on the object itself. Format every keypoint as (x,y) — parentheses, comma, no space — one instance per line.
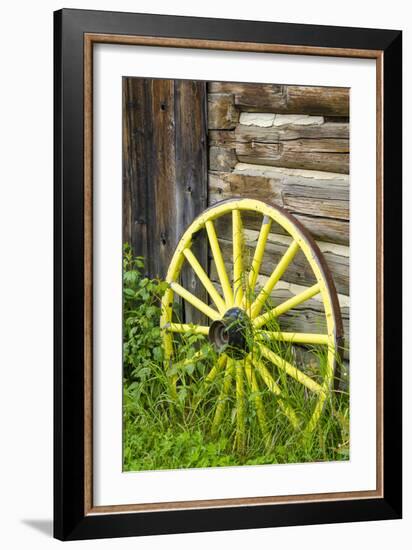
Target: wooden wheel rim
(233,296)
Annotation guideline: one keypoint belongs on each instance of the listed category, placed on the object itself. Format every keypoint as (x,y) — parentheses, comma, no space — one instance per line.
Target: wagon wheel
(249,363)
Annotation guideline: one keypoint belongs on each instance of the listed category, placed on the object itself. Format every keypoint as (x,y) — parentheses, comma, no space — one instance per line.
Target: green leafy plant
(142,344)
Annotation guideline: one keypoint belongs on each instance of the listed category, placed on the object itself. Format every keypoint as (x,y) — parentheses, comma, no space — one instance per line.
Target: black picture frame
(71,521)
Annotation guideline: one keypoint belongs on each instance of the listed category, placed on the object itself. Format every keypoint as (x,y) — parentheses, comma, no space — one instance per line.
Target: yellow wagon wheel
(240,317)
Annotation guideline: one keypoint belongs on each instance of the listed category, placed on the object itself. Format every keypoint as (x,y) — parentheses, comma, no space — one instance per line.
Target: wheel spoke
(221,404)
(166,317)
(198,356)
(221,363)
(286,306)
(195,301)
(259,252)
(204,279)
(274,388)
(240,406)
(328,379)
(295,337)
(292,371)
(210,377)
(257,400)
(220,265)
(274,278)
(248,370)
(316,413)
(183,328)
(266,377)
(237,256)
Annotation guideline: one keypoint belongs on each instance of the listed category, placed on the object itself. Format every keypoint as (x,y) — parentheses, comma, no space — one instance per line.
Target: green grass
(161,433)
(167,430)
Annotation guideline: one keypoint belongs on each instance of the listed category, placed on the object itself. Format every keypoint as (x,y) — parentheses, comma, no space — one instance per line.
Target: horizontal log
(289,132)
(318,100)
(326,229)
(222,113)
(321,229)
(298,192)
(299,271)
(320,147)
(310,205)
(276,98)
(295,156)
(222,159)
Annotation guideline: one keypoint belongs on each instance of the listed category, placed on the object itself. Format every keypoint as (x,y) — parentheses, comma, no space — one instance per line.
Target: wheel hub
(231,334)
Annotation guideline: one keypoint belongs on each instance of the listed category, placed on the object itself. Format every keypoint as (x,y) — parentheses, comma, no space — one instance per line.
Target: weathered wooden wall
(164,170)
(287,145)
(189,144)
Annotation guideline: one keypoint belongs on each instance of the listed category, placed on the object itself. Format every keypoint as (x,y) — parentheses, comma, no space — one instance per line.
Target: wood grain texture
(324,147)
(291,131)
(222,113)
(276,98)
(321,204)
(162,181)
(221,138)
(321,229)
(222,159)
(321,196)
(164,169)
(191,178)
(136,132)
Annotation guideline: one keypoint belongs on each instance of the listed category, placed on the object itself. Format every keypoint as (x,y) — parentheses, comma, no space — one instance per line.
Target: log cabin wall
(189,144)
(287,145)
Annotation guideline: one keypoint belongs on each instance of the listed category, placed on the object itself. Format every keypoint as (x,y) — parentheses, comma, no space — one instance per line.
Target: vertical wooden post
(191,176)
(136,137)
(164,172)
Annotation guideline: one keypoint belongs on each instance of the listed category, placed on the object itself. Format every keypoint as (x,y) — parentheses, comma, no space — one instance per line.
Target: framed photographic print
(227,274)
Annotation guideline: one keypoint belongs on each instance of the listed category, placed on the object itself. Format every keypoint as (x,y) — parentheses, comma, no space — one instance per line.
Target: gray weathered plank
(162,235)
(191,177)
(164,170)
(135,177)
